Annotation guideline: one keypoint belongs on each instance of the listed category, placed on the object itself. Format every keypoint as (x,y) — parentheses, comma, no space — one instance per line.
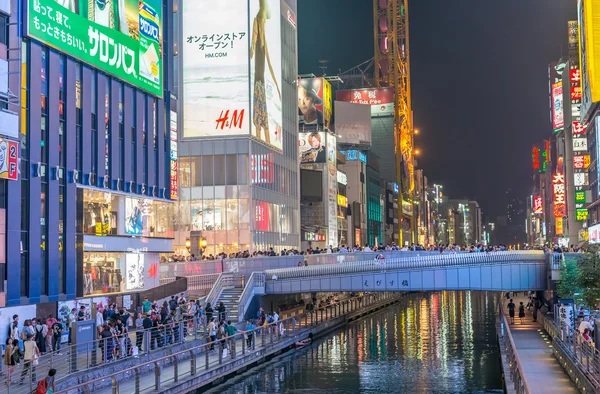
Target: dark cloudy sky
(479,81)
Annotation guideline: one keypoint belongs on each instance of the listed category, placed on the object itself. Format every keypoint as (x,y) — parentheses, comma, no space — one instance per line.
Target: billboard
(381,100)
(315,104)
(558,185)
(265,70)
(9,160)
(581,162)
(120,37)
(558,118)
(580,144)
(216,94)
(353,124)
(594,234)
(262,167)
(173,175)
(312,147)
(589,45)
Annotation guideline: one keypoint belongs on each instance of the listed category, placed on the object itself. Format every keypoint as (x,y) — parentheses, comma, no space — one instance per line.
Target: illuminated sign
(589,45)
(558,182)
(578,128)
(396,189)
(314,237)
(580,197)
(353,155)
(559,226)
(575,76)
(581,179)
(153,270)
(342,201)
(581,162)
(173,176)
(581,214)
(538,204)
(594,234)
(580,144)
(342,178)
(558,120)
(535,157)
(575,94)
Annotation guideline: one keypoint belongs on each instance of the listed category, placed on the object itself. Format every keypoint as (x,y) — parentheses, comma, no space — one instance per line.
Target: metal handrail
(277,329)
(406,263)
(223,281)
(257,279)
(202,282)
(516,368)
(584,355)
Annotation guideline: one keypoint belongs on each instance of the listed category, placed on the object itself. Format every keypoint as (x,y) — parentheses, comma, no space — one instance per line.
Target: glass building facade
(89,145)
(239,193)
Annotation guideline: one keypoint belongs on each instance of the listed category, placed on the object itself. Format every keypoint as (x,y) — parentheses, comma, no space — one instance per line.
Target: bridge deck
(542,370)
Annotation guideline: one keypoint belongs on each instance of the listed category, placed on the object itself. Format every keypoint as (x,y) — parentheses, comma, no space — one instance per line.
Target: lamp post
(188,244)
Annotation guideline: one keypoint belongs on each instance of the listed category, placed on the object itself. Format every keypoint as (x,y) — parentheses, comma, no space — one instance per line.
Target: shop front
(113,265)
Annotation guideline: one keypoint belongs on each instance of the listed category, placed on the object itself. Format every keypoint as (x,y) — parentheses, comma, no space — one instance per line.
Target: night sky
(479,82)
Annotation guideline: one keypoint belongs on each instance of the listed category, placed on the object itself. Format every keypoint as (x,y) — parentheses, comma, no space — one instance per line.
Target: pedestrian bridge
(511,270)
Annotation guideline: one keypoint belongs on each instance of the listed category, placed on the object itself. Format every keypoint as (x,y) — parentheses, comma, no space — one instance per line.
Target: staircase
(229,297)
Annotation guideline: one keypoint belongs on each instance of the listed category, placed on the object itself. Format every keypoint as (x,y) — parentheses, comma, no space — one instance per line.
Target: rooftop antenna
(323,66)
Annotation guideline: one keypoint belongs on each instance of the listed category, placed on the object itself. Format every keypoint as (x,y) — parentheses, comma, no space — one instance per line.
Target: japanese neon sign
(558,184)
(581,162)
(538,205)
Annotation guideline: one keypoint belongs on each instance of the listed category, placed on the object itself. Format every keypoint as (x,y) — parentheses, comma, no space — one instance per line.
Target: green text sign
(120,37)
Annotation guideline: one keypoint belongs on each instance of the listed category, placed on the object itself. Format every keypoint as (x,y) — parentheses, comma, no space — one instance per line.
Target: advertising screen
(594,234)
(558,120)
(589,44)
(312,148)
(262,168)
(353,124)
(134,275)
(120,37)
(265,71)
(215,68)
(314,102)
(137,212)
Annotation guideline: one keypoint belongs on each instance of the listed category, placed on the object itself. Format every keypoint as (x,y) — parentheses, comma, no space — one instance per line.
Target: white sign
(342,178)
(580,144)
(581,179)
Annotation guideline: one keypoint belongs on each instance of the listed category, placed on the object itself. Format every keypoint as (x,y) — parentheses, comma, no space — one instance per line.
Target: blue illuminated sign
(396,189)
(356,155)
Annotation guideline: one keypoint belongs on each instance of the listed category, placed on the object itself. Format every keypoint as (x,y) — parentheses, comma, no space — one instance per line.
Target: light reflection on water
(443,342)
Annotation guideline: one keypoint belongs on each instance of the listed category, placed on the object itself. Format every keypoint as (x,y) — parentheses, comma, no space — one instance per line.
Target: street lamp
(188,244)
(417,131)
(202,245)
(417,152)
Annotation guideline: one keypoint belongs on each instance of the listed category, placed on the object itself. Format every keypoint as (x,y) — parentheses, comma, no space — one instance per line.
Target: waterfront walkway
(540,368)
(187,370)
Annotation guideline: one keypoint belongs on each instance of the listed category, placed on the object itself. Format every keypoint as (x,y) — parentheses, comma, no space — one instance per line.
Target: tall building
(90,209)
(238,160)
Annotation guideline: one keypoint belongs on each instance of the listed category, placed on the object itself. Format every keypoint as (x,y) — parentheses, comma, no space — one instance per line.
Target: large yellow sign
(589,42)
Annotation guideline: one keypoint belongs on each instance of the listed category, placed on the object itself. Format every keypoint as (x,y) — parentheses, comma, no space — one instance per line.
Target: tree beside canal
(580,278)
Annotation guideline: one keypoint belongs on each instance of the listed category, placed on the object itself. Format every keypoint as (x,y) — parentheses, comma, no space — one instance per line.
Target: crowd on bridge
(342,249)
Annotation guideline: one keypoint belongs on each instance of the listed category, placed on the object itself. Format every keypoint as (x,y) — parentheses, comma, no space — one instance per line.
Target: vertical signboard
(558,120)
(332,188)
(215,55)
(122,38)
(265,70)
(538,204)
(174,181)
(589,50)
(558,184)
(9,160)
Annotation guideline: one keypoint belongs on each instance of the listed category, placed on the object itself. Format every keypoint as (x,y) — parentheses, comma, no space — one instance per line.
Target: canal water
(441,342)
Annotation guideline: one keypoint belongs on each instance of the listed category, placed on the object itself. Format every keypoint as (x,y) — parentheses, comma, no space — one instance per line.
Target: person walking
(57,330)
(222,311)
(521,312)
(32,353)
(46,385)
(511,311)
(212,332)
(209,312)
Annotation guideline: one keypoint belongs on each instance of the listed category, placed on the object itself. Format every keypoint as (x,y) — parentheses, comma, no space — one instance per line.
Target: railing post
(156,377)
(206,355)
(233,348)
(114,386)
(137,380)
(175,369)
(270,328)
(220,350)
(244,344)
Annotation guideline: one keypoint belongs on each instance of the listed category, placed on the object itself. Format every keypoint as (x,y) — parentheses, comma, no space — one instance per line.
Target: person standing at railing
(212,333)
(106,343)
(249,333)
(9,359)
(147,325)
(511,311)
(139,331)
(32,354)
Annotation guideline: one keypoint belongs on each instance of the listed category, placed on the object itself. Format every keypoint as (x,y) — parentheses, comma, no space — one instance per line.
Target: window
(207,171)
(231,169)
(219,170)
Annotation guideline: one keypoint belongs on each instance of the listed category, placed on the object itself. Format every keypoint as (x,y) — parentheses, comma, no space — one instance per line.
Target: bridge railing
(440,260)
(224,281)
(201,359)
(512,356)
(254,285)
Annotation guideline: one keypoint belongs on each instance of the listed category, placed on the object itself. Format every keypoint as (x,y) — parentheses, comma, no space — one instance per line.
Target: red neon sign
(558,182)
(538,204)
